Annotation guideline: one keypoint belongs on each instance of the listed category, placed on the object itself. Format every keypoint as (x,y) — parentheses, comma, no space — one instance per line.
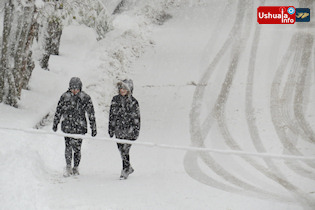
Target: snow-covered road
(287,112)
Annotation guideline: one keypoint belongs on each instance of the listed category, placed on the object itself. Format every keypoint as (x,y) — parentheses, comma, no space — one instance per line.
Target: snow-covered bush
(91,13)
(156,15)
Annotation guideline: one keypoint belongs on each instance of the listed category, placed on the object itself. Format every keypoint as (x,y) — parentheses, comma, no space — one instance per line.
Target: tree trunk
(28,64)
(21,53)
(52,40)
(16,62)
(7,83)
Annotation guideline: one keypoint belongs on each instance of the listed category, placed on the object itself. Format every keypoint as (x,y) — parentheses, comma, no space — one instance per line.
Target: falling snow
(205,74)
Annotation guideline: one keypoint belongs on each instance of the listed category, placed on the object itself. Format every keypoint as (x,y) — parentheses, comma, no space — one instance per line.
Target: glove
(111,134)
(134,135)
(93,133)
(55,128)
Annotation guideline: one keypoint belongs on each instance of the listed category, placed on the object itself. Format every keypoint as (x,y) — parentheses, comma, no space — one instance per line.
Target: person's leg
(76,146)
(128,167)
(124,152)
(68,156)
(68,151)
(120,148)
(77,151)
(126,157)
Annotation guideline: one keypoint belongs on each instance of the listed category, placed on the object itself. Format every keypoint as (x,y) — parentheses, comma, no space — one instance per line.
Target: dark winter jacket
(124,116)
(72,109)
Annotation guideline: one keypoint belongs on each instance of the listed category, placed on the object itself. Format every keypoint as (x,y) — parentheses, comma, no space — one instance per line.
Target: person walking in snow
(124,122)
(72,107)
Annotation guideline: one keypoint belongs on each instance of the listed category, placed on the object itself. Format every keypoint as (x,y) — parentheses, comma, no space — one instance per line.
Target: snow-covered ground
(209,76)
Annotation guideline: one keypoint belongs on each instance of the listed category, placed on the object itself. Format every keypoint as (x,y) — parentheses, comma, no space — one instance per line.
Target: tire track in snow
(193,170)
(221,119)
(198,134)
(299,126)
(277,175)
(279,113)
(299,121)
(206,125)
(280,106)
(288,92)
(302,57)
(299,99)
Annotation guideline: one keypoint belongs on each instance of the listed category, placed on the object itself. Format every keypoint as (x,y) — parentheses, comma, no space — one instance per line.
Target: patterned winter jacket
(72,109)
(124,117)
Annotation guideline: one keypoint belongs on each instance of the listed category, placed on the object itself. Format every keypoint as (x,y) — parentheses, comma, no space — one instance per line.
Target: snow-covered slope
(209,76)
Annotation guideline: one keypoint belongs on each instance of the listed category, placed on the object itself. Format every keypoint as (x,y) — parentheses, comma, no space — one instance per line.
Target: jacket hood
(126,84)
(75,83)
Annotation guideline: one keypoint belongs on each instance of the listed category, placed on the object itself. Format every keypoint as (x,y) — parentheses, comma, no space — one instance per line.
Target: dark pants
(124,153)
(75,145)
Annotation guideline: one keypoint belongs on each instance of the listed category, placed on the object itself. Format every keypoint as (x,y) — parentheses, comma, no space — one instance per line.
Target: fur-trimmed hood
(126,84)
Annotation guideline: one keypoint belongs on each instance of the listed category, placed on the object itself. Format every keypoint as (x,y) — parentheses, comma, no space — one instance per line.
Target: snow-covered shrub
(156,15)
(90,13)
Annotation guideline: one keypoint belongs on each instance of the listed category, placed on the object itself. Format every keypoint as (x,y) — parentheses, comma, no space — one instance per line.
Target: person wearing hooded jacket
(124,122)
(72,108)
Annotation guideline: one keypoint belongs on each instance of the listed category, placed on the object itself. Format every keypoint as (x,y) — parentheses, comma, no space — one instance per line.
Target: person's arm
(91,116)
(58,113)
(136,120)
(112,117)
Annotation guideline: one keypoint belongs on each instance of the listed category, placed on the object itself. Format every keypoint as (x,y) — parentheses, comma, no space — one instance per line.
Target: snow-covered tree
(16,65)
(119,7)
(24,20)
(51,30)
(57,13)
(91,13)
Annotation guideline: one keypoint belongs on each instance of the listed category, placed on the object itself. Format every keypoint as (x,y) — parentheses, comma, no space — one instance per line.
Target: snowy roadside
(29,162)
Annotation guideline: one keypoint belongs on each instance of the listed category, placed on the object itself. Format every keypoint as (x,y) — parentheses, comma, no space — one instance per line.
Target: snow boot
(75,171)
(68,171)
(130,170)
(124,174)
